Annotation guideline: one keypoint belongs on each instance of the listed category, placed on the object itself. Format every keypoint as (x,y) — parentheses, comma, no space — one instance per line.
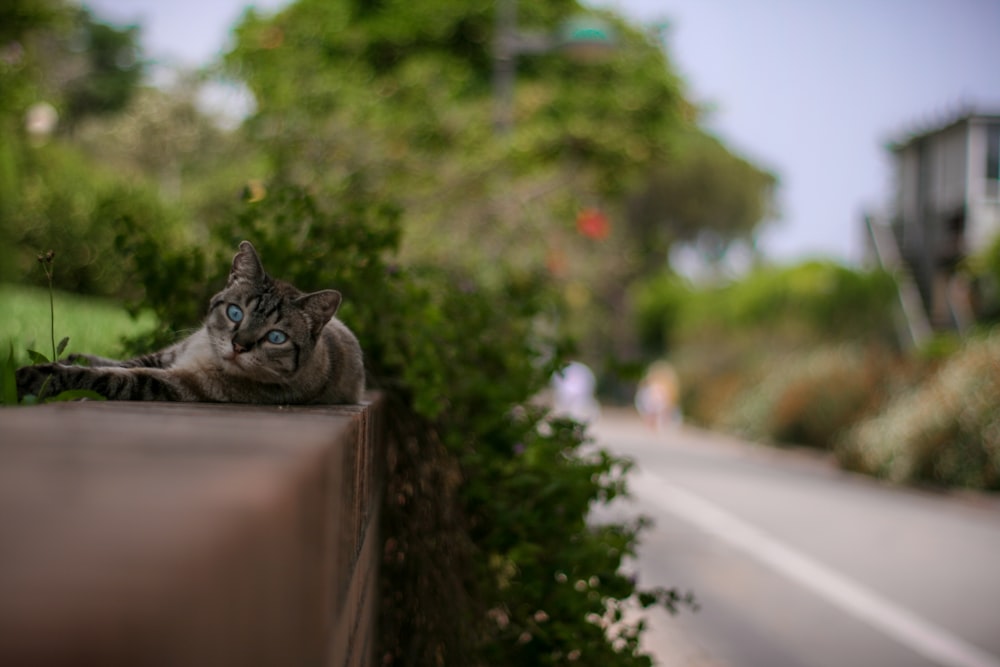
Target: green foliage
(787,354)
(111,68)
(343,89)
(70,206)
(985,270)
(614,118)
(56,51)
(504,532)
(559,588)
(944,430)
(659,306)
(703,195)
(802,355)
(166,141)
(8,396)
(809,301)
(808,398)
(939,347)
(8,383)
(20,20)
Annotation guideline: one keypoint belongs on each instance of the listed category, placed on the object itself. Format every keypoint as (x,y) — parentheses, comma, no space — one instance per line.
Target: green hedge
(815,300)
(944,430)
(67,204)
(807,398)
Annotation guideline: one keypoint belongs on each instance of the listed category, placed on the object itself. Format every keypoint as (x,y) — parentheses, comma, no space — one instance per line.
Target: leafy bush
(487,499)
(67,205)
(985,270)
(747,355)
(659,307)
(945,430)
(807,398)
(810,301)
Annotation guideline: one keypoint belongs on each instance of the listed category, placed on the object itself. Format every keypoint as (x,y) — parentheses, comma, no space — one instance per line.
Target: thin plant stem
(52,319)
(46,261)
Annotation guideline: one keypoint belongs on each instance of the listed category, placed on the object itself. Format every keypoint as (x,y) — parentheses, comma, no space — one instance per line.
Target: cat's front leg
(39,380)
(91,360)
(122,384)
(161,359)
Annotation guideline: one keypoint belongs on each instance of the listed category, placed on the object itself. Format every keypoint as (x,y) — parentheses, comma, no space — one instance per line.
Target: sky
(812,90)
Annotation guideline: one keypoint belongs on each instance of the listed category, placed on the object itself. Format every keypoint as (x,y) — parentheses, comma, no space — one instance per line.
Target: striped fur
(263,341)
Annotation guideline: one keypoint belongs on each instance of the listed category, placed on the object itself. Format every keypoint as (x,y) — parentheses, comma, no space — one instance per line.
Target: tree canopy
(402,93)
(705,196)
(405,89)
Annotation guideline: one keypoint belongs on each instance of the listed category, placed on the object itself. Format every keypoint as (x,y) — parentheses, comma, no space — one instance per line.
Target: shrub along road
(797,563)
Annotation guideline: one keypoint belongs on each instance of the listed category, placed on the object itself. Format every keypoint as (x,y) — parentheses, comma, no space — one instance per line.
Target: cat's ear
(320,306)
(246,265)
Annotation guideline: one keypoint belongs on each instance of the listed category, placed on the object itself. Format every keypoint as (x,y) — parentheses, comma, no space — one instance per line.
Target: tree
(64,55)
(98,68)
(54,55)
(166,139)
(404,90)
(402,94)
(704,195)
(20,20)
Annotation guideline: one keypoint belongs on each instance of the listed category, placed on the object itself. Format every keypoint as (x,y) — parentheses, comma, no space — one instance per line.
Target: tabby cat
(263,341)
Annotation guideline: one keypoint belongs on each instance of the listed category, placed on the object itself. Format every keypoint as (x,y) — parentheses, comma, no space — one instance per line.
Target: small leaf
(37,357)
(75,395)
(8,380)
(62,346)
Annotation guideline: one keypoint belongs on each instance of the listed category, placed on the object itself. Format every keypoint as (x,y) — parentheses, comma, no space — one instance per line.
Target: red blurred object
(593,224)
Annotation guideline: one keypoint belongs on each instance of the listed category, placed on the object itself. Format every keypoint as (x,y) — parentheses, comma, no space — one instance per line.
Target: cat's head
(263,328)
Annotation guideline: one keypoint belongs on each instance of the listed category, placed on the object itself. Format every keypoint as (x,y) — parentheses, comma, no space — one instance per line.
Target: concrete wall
(189,534)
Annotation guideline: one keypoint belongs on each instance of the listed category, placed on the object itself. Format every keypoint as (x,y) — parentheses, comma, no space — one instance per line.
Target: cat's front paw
(32,379)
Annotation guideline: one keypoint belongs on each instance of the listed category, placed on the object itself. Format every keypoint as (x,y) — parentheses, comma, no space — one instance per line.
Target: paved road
(798,564)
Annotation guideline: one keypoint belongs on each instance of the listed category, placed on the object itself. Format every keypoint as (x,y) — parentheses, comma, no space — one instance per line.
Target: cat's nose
(242,342)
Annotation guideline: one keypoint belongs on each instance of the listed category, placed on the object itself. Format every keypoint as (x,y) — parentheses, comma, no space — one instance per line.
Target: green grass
(94,326)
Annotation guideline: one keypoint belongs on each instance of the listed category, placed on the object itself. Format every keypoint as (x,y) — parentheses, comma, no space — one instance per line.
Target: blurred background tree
(703,196)
(94,67)
(406,96)
(60,66)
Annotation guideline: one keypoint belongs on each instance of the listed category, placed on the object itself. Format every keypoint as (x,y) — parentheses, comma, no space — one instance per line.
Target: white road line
(929,640)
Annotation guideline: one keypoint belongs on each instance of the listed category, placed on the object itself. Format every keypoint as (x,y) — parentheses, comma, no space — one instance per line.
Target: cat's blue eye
(234,312)
(276,337)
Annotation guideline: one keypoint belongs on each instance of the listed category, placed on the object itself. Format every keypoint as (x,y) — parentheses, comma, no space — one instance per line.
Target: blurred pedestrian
(658,397)
(573,393)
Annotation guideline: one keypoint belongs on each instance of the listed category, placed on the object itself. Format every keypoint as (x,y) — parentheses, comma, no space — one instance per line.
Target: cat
(263,341)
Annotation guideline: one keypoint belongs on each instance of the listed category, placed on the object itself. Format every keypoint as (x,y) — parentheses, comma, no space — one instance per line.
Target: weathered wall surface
(188,534)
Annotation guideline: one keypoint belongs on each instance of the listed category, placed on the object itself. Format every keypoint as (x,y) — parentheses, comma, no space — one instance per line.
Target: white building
(947,206)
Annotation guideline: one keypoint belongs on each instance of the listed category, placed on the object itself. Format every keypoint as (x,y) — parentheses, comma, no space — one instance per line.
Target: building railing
(917,325)
(189,534)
